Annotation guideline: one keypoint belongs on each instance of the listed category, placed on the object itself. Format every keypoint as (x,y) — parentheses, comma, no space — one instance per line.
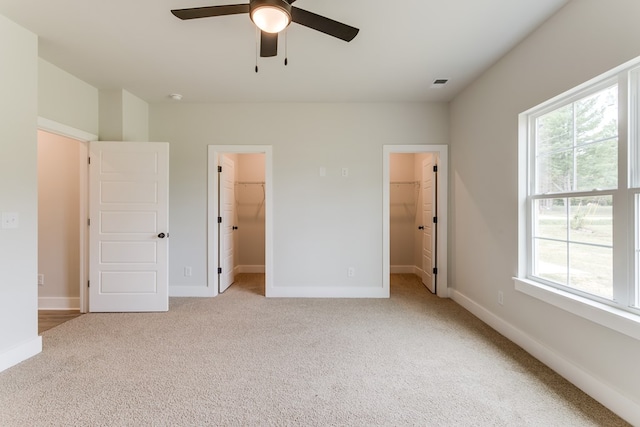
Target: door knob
(235,227)
(421,227)
(161,235)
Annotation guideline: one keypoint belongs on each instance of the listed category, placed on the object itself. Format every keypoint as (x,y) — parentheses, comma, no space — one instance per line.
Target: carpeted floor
(244,360)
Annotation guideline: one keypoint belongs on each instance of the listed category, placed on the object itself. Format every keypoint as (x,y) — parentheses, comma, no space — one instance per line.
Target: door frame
(83,138)
(214,152)
(441,153)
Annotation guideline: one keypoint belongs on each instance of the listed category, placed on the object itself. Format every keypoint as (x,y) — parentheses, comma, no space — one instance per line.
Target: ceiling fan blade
(290,1)
(268,44)
(324,25)
(207,11)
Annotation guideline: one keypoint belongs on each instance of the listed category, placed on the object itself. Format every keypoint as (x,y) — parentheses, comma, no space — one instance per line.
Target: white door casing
(226,208)
(213,236)
(429,229)
(441,154)
(128,207)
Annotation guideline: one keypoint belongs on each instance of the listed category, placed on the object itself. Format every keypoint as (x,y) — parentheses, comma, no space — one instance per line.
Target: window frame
(623,312)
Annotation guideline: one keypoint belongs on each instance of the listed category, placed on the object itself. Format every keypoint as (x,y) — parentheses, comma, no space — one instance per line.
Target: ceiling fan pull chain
(286,47)
(257,46)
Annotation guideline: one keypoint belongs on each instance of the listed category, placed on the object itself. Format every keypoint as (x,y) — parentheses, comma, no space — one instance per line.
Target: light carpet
(244,360)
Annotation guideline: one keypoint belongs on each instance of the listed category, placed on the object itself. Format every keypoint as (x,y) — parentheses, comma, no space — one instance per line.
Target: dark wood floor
(48,319)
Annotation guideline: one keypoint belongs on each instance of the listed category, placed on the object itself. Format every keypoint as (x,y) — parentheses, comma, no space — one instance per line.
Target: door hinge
(219,168)
(435,270)
(435,219)
(219,270)
(89,222)
(88,283)
(89,160)
(219,220)
(435,168)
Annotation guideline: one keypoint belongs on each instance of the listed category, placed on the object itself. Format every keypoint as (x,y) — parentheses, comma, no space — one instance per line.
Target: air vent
(440,82)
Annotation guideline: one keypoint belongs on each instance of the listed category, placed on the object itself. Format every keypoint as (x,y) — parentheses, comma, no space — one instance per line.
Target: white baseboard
(603,393)
(326,292)
(191,291)
(20,353)
(58,303)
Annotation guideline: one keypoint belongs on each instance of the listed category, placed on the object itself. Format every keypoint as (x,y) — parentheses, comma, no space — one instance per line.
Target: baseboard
(191,291)
(249,269)
(326,292)
(403,269)
(58,303)
(603,393)
(20,353)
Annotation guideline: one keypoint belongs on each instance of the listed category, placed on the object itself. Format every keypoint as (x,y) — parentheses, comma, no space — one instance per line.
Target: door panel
(128,198)
(228,214)
(428,235)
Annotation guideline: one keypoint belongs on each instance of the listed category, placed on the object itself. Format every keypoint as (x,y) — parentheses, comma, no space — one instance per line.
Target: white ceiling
(402,47)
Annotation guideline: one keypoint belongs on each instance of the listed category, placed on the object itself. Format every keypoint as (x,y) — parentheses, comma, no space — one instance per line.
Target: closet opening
(414,215)
(240,218)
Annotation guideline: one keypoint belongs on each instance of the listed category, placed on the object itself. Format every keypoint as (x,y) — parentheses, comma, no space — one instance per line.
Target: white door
(226,223)
(128,208)
(429,227)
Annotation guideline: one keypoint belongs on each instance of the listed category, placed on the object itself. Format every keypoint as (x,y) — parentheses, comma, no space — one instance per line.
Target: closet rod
(250,183)
(405,182)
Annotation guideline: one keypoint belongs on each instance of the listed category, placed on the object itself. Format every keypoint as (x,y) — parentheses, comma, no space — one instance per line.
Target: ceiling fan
(271,17)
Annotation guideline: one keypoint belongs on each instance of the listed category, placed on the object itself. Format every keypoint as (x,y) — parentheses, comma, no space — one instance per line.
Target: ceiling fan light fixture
(271,16)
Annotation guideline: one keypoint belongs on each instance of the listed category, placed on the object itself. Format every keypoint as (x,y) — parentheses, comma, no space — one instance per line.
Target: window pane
(554,130)
(550,260)
(591,269)
(591,220)
(597,116)
(576,146)
(597,166)
(554,172)
(550,219)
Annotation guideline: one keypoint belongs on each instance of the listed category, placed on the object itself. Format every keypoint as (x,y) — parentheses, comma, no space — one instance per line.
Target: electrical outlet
(187,272)
(345,172)
(10,220)
(500,298)
(351,272)
(323,171)
(40,279)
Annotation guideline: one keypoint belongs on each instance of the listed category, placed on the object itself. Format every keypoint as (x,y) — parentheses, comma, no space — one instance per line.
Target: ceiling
(402,47)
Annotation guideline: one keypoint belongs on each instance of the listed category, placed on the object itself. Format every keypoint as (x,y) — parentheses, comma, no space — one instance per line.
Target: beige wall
(58,221)
(18,193)
(250,203)
(403,197)
(583,40)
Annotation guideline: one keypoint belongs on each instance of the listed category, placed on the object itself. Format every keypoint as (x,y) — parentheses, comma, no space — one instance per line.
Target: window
(580,193)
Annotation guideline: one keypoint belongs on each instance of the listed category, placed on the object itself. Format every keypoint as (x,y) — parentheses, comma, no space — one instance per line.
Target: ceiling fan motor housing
(281,5)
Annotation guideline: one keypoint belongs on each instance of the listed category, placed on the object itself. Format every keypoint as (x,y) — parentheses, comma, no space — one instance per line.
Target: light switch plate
(10,220)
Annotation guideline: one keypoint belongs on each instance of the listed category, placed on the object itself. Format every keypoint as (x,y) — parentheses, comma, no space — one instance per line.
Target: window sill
(619,320)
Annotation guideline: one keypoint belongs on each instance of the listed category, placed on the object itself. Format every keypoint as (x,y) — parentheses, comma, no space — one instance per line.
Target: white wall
(135,118)
(584,39)
(123,116)
(65,99)
(322,225)
(18,193)
(58,221)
